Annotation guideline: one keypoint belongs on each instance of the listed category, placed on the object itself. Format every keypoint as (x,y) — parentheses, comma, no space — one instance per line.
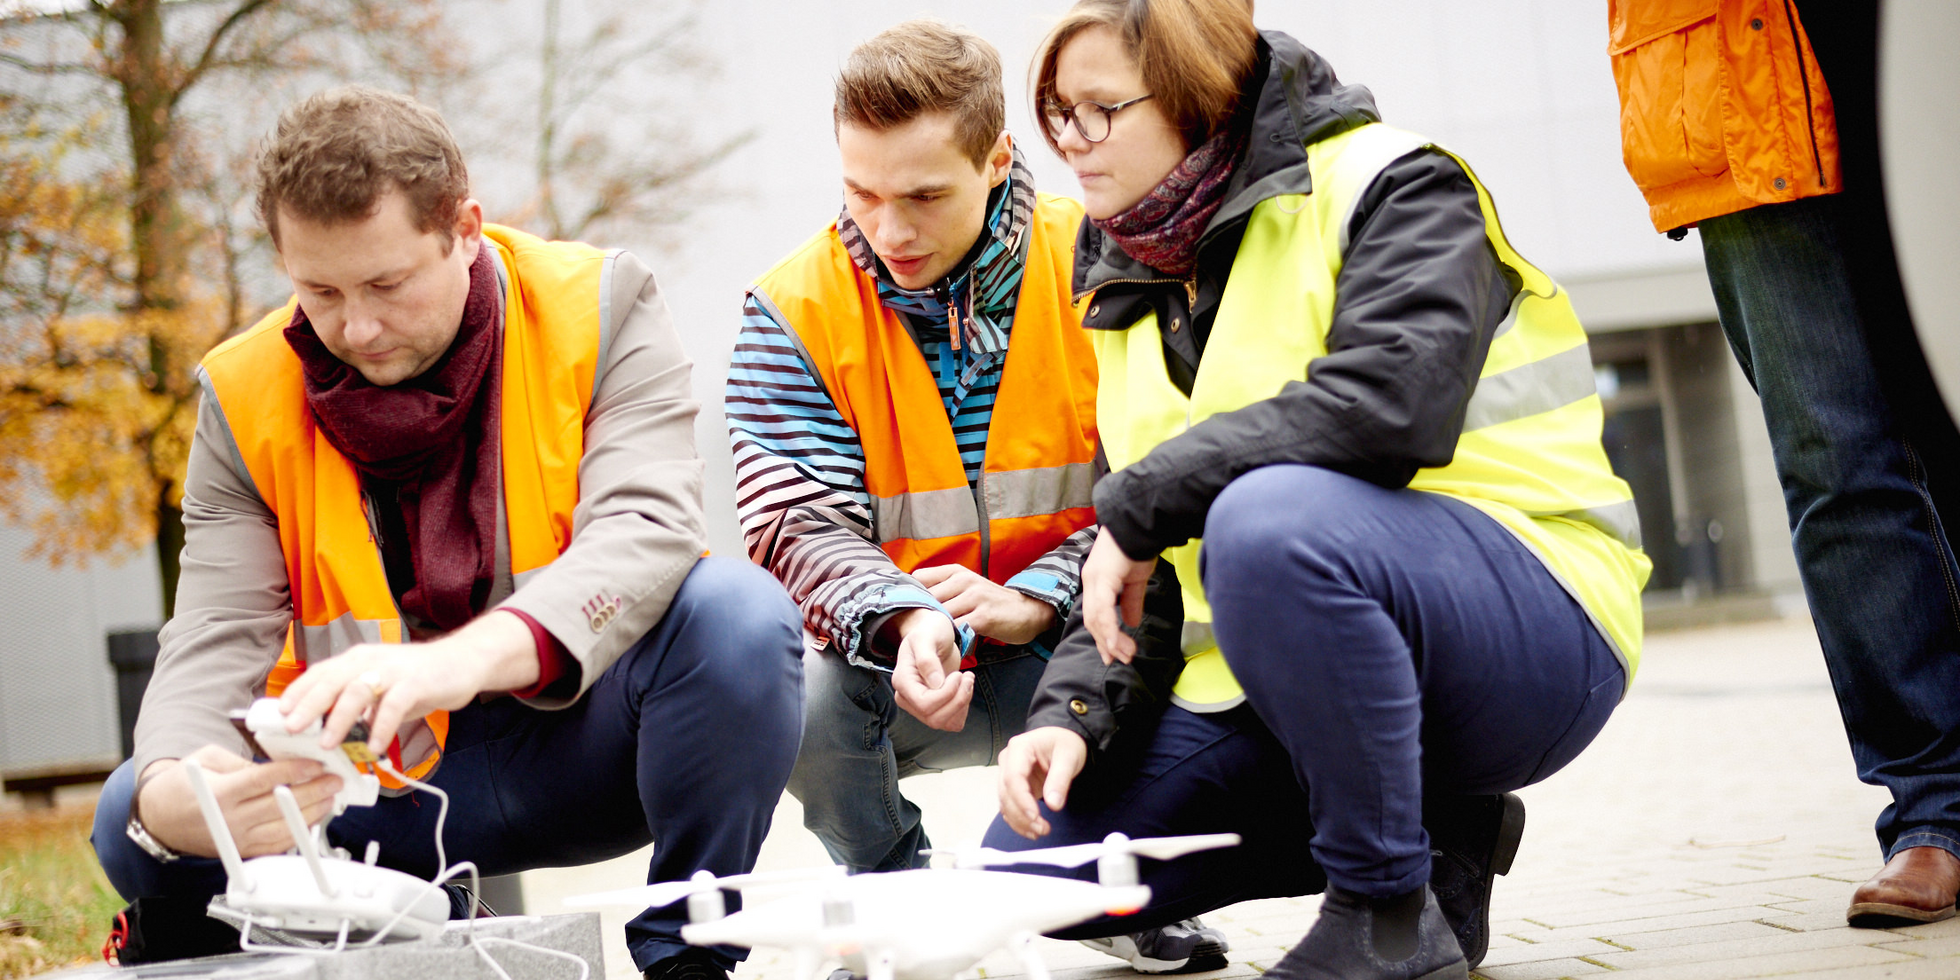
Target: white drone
(318,894)
(927,924)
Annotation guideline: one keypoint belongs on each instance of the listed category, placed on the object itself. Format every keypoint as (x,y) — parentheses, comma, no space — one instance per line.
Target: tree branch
(196,72)
(48,68)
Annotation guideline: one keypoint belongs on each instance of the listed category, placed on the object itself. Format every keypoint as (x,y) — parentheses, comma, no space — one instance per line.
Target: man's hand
(398,682)
(1044,761)
(927,680)
(1111,578)
(168,806)
(990,610)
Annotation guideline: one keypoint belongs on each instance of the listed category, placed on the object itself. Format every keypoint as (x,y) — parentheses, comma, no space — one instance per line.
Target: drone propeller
(669,892)
(1076,855)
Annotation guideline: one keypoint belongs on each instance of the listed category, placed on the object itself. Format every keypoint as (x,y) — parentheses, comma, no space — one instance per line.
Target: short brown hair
(1195,56)
(924,66)
(332,157)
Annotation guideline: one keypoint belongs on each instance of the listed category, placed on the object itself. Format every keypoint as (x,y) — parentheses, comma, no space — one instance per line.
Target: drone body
(280,892)
(975,913)
(926,924)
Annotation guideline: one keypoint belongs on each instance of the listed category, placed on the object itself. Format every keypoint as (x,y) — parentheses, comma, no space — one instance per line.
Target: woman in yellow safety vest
(1418,582)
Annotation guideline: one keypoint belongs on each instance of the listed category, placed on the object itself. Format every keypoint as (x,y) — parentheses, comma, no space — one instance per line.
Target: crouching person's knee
(132,871)
(733,638)
(113,848)
(1272,511)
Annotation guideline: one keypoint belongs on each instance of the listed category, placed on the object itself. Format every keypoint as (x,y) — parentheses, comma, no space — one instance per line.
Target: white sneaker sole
(1124,948)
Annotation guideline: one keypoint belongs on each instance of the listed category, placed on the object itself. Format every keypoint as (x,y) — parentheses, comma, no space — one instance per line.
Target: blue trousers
(857,745)
(1872,547)
(1393,644)
(687,741)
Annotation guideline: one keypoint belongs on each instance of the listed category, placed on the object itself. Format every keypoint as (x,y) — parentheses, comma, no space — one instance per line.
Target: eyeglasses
(1091,119)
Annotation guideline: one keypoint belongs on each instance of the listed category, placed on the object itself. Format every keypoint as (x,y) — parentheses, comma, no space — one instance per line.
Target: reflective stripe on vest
(552,300)
(1033,489)
(1529,454)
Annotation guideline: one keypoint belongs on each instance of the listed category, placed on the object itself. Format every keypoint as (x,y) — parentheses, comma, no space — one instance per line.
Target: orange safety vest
(1034,487)
(1722,106)
(553,298)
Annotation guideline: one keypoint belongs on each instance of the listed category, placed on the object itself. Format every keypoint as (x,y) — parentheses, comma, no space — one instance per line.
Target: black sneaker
(1403,937)
(1181,947)
(1472,839)
(692,963)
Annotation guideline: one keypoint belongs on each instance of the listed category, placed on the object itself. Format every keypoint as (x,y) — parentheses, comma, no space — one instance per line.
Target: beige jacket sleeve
(636,533)
(638,528)
(233,605)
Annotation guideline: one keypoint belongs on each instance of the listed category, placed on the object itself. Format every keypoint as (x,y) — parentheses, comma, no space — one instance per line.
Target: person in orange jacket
(1738,121)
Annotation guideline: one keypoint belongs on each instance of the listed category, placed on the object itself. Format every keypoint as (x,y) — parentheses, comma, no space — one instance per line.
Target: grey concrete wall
(57,692)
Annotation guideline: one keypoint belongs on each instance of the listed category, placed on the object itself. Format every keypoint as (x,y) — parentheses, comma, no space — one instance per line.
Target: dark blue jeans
(687,740)
(1392,644)
(1876,560)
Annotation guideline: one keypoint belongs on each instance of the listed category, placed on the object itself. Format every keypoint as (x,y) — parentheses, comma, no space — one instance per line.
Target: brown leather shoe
(1917,885)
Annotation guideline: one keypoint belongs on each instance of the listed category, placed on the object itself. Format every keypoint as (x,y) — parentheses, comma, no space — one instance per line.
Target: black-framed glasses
(1091,118)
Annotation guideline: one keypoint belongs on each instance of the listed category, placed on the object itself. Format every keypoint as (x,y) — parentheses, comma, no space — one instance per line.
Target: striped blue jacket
(799,468)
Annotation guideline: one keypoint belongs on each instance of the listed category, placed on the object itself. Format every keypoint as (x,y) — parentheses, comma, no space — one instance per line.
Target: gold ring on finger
(372,679)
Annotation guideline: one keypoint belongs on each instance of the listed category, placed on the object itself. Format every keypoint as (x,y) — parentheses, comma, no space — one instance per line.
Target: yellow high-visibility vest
(1529,455)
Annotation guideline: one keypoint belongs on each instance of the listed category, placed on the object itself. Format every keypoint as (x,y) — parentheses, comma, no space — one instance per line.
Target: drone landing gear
(1023,946)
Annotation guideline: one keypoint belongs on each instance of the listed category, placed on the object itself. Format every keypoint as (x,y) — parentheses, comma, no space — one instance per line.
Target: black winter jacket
(1419,297)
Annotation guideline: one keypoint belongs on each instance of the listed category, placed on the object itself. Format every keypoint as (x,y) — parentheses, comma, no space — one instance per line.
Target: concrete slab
(458,954)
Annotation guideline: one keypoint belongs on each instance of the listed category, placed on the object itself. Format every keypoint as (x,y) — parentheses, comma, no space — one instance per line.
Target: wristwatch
(141,834)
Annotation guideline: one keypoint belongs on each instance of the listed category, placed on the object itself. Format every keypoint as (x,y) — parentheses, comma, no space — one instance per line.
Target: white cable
(584,968)
(476,942)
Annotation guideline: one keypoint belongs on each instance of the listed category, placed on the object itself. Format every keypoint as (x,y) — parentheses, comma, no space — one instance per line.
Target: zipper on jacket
(986,529)
(1803,73)
(373,519)
(1124,282)
(374,536)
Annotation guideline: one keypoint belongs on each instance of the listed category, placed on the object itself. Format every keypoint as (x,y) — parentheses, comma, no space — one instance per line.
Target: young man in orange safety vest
(458,466)
(912,409)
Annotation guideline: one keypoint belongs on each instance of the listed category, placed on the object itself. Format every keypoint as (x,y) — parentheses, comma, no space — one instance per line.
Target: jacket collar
(1299,102)
(985,286)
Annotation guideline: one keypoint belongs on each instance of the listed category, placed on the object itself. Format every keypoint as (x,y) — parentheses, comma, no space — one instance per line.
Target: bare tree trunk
(156,226)
(149,105)
(170,548)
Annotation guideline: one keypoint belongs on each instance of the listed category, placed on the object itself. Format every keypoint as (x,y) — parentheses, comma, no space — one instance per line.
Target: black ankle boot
(1472,839)
(1402,937)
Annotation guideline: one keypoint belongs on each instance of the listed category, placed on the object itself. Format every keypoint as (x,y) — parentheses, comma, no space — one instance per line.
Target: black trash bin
(133,654)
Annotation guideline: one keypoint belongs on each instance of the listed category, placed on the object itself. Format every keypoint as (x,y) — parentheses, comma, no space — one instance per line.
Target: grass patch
(55,905)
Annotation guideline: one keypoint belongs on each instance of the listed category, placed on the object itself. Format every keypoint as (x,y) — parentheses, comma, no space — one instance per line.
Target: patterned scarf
(1162,230)
(983,295)
(433,436)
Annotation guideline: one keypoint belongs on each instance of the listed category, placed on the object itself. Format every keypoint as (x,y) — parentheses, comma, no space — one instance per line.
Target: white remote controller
(268,727)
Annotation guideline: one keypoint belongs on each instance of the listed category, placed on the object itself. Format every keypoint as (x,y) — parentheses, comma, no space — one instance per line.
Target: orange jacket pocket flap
(1635,22)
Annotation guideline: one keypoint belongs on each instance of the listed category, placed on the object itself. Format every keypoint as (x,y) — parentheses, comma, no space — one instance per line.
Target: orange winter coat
(1722,106)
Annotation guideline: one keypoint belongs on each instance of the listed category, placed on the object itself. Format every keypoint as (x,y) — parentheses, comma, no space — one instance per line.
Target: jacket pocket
(1668,65)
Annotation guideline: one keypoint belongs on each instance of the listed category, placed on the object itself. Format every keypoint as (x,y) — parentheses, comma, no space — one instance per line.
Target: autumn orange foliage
(120,252)
(96,404)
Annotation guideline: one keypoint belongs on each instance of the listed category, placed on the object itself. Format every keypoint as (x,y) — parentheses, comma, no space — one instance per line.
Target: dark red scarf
(433,437)
(1162,230)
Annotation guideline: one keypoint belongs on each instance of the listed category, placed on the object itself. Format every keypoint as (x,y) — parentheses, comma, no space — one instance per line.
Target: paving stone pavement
(1714,830)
